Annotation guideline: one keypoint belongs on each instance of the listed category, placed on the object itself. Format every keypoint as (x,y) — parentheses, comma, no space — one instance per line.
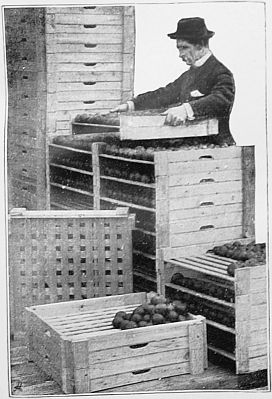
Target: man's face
(188,52)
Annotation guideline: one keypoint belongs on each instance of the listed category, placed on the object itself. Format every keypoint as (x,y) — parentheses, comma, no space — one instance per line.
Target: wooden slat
(199,178)
(205,154)
(93,10)
(89,304)
(87,37)
(81,107)
(22,213)
(131,378)
(67,77)
(84,58)
(202,237)
(205,211)
(84,96)
(75,19)
(80,29)
(200,201)
(248,167)
(87,47)
(204,189)
(208,165)
(196,348)
(258,350)
(259,324)
(85,67)
(87,85)
(136,363)
(201,268)
(115,338)
(125,352)
(196,224)
(258,363)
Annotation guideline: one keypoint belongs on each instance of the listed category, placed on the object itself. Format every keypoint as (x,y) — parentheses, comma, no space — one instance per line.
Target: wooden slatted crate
(65,255)
(76,344)
(248,305)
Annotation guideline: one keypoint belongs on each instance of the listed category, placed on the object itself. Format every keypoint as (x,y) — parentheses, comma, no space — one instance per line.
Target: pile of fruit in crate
(209,288)
(215,312)
(245,255)
(156,310)
(126,174)
(111,119)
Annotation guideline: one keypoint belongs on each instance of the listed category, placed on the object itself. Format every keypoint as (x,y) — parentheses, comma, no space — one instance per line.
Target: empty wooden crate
(65,255)
(76,344)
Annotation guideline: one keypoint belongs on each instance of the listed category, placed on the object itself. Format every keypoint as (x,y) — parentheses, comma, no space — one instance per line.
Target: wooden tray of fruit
(96,123)
(148,125)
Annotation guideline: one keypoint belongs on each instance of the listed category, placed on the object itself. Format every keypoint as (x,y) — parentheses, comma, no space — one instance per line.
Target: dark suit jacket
(213,80)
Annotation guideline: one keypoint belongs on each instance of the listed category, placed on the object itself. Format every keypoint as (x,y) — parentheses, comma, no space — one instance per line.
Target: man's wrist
(189,111)
(131,106)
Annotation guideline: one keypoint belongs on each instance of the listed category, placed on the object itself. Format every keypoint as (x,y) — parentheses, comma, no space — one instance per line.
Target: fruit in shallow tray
(177,278)
(139,310)
(121,314)
(145,179)
(156,299)
(136,317)
(150,309)
(161,308)
(123,324)
(158,319)
(130,324)
(233,266)
(180,307)
(143,323)
(147,317)
(173,316)
(117,321)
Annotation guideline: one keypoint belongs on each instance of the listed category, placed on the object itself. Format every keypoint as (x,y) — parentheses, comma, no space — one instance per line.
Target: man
(205,90)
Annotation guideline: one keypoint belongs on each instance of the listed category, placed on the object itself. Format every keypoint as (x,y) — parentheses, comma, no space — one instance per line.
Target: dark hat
(191,28)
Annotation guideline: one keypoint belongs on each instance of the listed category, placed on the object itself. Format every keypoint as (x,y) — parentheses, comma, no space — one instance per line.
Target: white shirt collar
(203,59)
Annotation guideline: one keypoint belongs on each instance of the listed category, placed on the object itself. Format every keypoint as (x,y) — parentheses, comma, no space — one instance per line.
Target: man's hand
(120,108)
(175,116)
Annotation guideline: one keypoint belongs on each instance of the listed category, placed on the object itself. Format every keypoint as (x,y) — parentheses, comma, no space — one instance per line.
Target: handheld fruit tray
(76,344)
(143,125)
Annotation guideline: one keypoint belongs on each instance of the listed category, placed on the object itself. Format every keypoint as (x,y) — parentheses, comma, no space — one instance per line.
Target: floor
(28,379)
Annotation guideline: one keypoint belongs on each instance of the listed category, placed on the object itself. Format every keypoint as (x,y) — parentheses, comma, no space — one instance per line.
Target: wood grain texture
(248,168)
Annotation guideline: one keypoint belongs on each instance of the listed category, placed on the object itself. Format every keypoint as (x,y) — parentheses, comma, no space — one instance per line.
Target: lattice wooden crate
(65,255)
(245,303)
(76,344)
